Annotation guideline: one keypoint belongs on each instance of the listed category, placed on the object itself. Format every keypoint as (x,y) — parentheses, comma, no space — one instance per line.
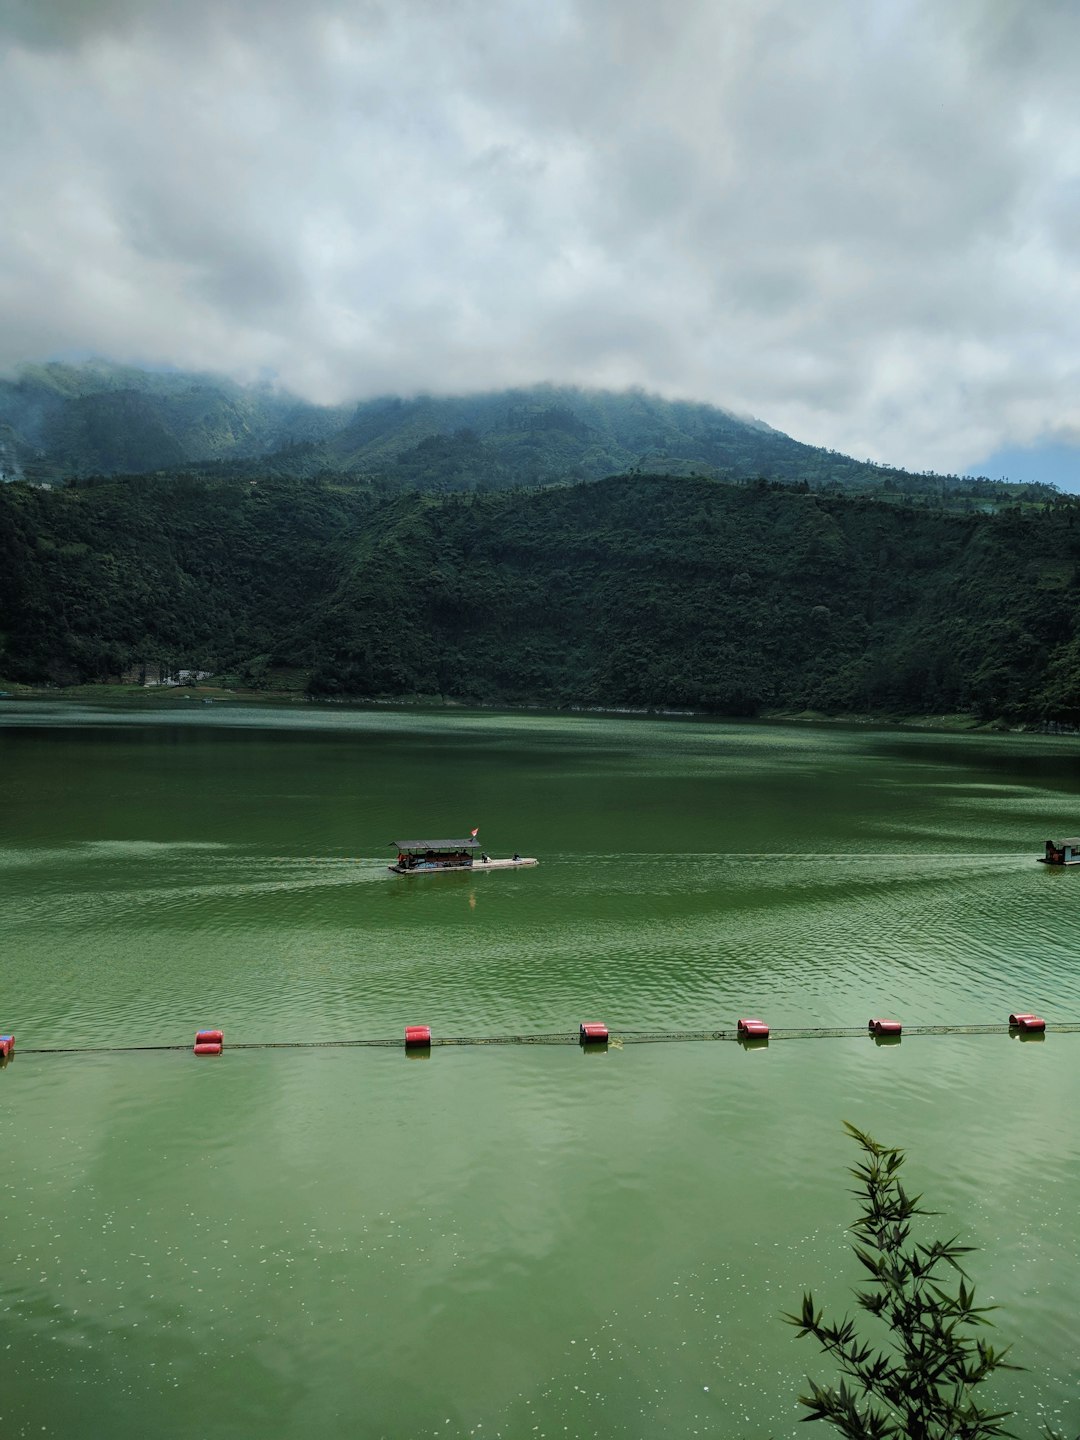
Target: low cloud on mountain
(857,219)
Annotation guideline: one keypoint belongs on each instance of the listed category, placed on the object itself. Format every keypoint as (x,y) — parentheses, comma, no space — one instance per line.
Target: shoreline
(163,696)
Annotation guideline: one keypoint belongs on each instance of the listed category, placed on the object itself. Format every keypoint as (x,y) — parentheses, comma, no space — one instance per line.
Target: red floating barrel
(885,1027)
(209,1037)
(593,1034)
(753,1029)
(417,1035)
(1027,1022)
(207,1047)
(7,1046)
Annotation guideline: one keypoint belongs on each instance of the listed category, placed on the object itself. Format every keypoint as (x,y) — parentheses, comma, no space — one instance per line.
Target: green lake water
(511,1240)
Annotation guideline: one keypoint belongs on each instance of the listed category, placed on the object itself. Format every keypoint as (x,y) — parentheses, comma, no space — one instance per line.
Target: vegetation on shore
(644,591)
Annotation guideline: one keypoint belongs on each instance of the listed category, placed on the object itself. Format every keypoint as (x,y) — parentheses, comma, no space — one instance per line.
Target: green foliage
(637,590)
(921,1385)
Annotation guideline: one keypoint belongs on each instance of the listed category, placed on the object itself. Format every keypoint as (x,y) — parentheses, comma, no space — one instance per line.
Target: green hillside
(59,421)
(640,590)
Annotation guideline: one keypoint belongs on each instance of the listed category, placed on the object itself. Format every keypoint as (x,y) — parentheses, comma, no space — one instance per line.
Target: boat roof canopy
(467,844)
(1059,844)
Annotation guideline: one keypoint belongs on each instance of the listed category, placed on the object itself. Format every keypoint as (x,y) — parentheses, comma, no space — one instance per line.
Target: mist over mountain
(58,421)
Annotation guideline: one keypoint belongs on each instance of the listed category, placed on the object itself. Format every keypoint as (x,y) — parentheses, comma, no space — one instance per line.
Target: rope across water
(617,1037)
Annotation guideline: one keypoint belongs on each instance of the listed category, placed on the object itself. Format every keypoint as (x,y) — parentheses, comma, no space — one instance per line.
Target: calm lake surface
(510,1240)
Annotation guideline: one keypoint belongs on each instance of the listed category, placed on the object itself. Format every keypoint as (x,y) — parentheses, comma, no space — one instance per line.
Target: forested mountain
(59,421)
(645,590)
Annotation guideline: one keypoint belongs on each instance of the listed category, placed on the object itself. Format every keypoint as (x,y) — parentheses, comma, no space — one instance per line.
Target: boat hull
(468,869)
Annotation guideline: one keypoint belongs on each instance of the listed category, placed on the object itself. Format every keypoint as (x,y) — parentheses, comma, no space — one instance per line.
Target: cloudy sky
(856,219)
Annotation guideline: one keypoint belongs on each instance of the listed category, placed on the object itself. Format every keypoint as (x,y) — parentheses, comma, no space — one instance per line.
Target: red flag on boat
(473,833)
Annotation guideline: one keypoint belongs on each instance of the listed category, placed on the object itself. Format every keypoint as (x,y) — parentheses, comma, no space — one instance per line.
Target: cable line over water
(616,1037)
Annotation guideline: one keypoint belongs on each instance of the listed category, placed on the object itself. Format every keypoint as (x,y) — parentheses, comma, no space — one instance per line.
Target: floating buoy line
(749,1033)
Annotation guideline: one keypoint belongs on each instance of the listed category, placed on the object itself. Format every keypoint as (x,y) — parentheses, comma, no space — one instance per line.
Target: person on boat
(516,855)
(484,857)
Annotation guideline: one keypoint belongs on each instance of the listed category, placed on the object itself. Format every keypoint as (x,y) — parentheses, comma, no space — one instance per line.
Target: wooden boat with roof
(1061,852)
(435,857)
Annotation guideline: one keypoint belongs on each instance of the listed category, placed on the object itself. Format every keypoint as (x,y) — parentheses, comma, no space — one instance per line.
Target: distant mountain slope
(62,420)
(58,421)
(103,419)
(548,434)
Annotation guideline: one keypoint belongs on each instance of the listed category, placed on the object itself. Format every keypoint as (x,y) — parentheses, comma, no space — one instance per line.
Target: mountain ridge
(60,421)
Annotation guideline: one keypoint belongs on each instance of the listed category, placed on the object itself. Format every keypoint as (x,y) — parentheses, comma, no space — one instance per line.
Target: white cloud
(857,219)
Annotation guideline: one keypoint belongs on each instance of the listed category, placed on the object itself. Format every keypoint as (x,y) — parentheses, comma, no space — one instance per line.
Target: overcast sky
(856,219)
